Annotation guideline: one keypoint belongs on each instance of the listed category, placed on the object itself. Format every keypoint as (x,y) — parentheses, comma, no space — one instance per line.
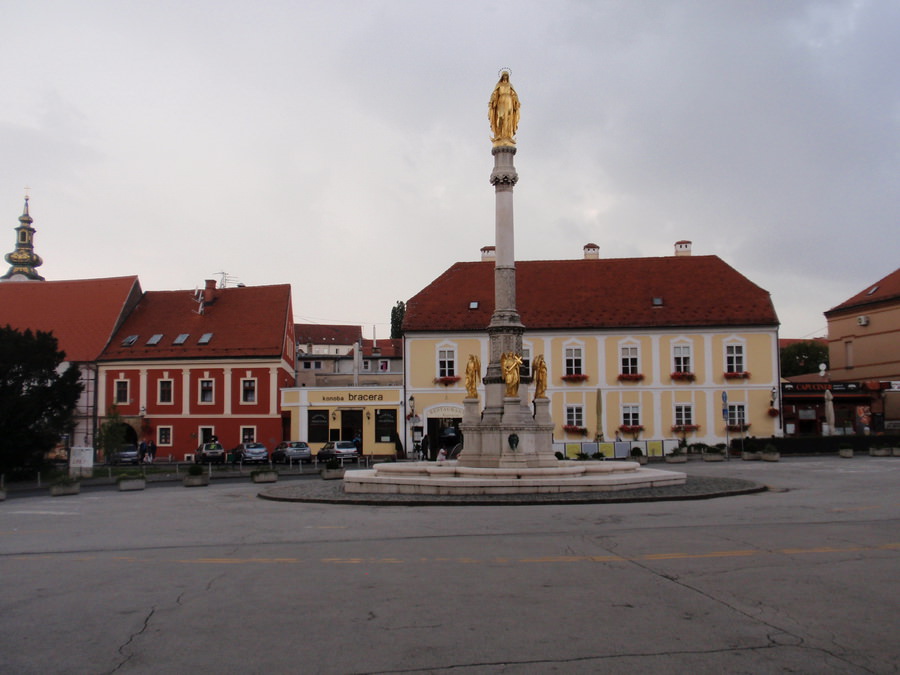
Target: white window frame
(573,359)
(631,415)
(248,434)
(682,362)
(525,368)
(212,391)
(200,429)
(117,399)
(632,352)
(735,357)
(384,366)
(575,415)
(445,364)
(684,414)
(737,413)
(159,436)
(244,399)
(159,384)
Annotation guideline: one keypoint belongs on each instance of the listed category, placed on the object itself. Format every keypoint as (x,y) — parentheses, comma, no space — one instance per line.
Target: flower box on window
(631,377)
(447,380)
(682,428)
(631,428)
(738,427)
(683,376)
(742,375)
(575,377)
(574,429)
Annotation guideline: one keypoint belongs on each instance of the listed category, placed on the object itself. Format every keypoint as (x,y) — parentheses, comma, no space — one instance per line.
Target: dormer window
(205,338)
(154,339)
(129,341)
(181,339)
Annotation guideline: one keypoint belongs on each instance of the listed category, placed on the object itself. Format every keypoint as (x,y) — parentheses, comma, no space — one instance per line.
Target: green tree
(37,398)
(111,434)
(803,357)
(397,314)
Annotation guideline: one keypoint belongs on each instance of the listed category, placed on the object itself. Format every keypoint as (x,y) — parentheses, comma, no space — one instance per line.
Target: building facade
(186,367)
(683,347)
(864,348)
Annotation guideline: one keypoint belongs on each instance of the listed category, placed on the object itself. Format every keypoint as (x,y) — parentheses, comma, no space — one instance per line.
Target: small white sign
(81,457)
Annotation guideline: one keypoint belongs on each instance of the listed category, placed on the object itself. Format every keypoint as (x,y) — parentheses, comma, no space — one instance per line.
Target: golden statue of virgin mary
(503,112)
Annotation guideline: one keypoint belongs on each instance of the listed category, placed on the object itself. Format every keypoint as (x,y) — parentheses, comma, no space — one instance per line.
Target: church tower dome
(23,260)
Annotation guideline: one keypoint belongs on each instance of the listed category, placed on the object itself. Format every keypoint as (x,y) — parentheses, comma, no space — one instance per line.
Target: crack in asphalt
(132,638)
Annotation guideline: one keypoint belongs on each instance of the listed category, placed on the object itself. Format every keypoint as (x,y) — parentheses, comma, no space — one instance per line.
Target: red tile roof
(882,291)
(605,293)
(83,314)
(248,321)
(387,348)
(327,334)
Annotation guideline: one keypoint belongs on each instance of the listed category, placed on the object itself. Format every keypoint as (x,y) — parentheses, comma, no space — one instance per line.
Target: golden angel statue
(540,377)
(510,363)
(473,374)
(503,112)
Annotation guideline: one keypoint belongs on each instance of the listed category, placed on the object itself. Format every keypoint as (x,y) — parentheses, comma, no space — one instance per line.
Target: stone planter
(195,481)
(676,459)
(131,484)
(879,452)
(640,459)
(845,452)
(713,457)
(771,456)
(751,456)
(2,495)
(332,474)
(896,452)
(264,476)
(62,490)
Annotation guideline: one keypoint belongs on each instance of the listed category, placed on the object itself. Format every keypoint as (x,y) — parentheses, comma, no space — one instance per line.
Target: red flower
(575,377)
(630,377)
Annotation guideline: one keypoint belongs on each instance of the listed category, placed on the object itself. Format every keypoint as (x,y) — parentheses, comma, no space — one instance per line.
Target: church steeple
(24,260)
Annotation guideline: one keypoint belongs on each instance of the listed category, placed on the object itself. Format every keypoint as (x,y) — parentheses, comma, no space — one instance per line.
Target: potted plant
(264,476)
(845,450)
(196,477)
(333,470)
(130,481)
(677,456)
(714,453)
(65,485)
(751,452)
(770,453)
(574,377)
(638,456)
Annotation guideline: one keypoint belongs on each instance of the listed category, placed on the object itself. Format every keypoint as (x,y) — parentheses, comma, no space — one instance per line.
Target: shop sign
(813,387)
(445,411)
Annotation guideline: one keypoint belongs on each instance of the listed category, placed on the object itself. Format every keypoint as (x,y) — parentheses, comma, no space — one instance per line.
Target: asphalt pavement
(799,578)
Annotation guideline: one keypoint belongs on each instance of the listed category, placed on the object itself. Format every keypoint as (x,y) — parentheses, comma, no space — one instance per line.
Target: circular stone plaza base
(448,478)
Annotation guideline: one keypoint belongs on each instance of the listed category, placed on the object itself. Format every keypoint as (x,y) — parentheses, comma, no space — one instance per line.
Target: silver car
(249,453)
(292,451)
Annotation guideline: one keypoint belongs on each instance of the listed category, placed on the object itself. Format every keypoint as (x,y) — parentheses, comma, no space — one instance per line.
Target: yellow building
(321,414)
(642,348)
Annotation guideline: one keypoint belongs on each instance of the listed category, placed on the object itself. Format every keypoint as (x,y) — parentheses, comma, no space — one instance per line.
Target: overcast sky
(344,147)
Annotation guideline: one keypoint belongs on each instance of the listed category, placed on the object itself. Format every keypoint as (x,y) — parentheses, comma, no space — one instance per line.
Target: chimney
(591,252)
(683,247)
(209,292)
(488,253)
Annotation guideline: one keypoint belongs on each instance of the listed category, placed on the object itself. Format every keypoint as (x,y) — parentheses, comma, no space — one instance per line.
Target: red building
(188,366)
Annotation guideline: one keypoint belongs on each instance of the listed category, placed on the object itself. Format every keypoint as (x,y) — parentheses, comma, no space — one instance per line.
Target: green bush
(195,470)
(559,455)
(636,452)
(333,463)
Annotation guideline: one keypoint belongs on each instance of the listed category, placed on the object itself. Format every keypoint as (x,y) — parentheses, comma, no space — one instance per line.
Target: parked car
(208,453)
(250,453)
(339,450)
(126,454)
(291,451)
